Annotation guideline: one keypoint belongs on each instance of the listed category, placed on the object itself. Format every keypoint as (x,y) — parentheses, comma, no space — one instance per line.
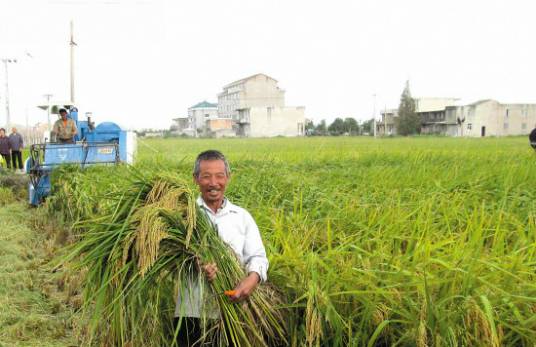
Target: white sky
(141,63)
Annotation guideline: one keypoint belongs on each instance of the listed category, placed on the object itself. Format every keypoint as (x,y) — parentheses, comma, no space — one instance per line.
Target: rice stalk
(156,237)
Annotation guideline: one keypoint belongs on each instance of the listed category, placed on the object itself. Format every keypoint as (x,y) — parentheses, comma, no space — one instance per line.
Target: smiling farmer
(236,228)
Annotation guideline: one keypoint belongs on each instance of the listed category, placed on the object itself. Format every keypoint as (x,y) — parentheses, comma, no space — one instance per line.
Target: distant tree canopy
(368,126)
(337,127)
(408,121)
(351,126)
(321,128)
(348,126)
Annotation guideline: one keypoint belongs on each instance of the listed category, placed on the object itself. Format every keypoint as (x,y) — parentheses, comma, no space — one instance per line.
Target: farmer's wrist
(255,275)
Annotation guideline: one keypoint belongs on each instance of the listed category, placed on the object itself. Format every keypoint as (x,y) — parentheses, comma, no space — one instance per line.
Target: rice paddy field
(372,242)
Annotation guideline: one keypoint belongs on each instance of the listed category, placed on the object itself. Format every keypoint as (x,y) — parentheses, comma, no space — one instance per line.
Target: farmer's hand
(210,271)
(246,287)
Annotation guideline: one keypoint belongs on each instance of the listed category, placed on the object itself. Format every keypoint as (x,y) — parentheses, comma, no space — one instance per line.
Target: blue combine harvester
(105,144)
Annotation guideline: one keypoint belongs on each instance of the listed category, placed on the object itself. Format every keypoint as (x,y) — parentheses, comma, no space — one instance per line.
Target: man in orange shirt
(64,129)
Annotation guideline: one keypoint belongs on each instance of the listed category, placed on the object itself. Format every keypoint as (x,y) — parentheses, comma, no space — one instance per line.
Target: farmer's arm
(55,128)
(255,261)
(73,130)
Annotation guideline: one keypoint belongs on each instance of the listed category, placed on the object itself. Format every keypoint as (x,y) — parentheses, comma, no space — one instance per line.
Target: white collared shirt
(236,228)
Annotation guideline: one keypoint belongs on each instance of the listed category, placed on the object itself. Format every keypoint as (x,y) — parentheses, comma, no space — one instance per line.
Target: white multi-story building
(433,117)
(257,90)
(199,114)
(482,118)
(491,118)
(256,105)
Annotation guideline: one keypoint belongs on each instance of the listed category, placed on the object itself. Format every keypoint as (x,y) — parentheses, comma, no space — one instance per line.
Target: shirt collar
(227,206)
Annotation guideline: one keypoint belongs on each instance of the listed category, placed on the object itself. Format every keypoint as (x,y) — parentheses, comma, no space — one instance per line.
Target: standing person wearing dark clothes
(16,144)
(532,138)
(5,148)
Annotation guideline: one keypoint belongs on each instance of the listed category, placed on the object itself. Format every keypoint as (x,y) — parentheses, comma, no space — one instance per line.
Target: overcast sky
(142,63)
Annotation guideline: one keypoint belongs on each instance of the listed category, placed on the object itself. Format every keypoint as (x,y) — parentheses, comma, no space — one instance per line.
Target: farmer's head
(211,174)
(2,132)
(63,113)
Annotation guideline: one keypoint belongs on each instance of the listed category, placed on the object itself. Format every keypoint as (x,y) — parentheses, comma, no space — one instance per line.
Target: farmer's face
(212,180)
(63,115)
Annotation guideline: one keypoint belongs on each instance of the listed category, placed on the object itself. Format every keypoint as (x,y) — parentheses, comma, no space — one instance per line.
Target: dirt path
(34,311)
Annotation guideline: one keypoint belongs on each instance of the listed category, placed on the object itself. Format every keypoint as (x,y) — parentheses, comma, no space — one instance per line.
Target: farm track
(35,312)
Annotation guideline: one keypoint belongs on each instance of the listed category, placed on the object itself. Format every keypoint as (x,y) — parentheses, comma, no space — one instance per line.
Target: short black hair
(62,110)
(211,154)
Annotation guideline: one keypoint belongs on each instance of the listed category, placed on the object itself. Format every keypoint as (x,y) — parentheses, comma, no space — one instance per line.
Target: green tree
(408,121)
(310,125)
(337,127)
(351,126)
(368,127)
(321,129)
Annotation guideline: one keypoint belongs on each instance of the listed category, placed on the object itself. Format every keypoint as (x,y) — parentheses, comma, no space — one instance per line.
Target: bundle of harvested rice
(141,254)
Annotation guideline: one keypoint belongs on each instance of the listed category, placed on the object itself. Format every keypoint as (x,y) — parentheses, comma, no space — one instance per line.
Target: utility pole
(8,117)
(72,44)
(384,120)
(48,96)
(374,114)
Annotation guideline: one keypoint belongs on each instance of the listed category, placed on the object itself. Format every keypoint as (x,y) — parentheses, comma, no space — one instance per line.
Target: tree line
(339,126)
(408,121)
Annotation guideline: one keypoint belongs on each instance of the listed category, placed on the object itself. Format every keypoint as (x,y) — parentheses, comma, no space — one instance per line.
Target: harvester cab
(104,144)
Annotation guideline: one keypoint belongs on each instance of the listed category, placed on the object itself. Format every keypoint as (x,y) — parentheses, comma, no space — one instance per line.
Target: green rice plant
(16,184)
(143,251)
(6,196)
(79,194)
(386,242)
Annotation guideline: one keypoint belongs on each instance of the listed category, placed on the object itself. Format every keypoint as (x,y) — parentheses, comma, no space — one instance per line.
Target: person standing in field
(236,227)
(64,129)
(16,144)
(5,149)
(532,138)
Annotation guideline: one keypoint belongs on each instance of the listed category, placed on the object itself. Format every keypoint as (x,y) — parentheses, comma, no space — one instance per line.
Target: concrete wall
(276,121)
(495,118)
(262,91)
(228,102)
(440,129)
(433,104)
(219,124)
(199,115)
(257,90)
(498,119)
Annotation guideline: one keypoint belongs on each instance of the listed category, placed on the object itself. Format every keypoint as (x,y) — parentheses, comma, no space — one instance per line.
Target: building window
(269,113)
(505,126)
(469,126)
(507,114)
(524,126)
